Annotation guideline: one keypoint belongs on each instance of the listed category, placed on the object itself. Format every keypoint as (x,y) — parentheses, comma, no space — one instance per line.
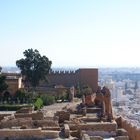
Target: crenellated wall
(133,131)
(72,78)
(66,78)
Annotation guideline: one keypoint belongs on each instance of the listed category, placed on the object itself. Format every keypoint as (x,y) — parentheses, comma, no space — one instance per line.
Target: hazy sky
(73,33)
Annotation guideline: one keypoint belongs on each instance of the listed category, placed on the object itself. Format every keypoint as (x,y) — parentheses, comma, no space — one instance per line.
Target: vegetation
(9,107)
(21,96)
(38,104)
(3,85)
(34,67)
(78,91)
(48,99)
(86,89)
(62,95)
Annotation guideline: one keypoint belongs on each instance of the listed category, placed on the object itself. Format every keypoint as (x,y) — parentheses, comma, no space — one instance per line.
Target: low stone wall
(45,123)
(16,123)
(27,133)
(28,123)
(133,132)
(34,116)
(105,126)
(96,138)
(103,134)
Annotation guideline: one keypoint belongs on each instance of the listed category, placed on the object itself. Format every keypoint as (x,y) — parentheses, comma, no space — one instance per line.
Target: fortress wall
(133,132)
(64,78)
(81,76)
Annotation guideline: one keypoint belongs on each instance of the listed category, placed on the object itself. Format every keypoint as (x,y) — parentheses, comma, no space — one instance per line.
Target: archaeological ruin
(89,119)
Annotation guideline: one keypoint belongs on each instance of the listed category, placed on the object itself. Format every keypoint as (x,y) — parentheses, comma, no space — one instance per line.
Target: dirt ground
(51,109)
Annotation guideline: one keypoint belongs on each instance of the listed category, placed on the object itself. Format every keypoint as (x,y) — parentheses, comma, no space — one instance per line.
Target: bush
(20,95)
(48,99)
(38,104)
(8,107)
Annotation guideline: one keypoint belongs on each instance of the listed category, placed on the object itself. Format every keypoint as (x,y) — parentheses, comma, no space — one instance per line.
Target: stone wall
(68,79)
(34,116)
(29,123)
(105,126)
(133,132)
(63,115)
(27,134)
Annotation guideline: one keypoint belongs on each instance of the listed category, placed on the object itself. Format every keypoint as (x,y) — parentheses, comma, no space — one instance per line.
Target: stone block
(85,137)
(34,116)
(25,110)
(122,138)
(63,115)
(96,138)
(66,130)
(14,134)
(95,126)
(121,132)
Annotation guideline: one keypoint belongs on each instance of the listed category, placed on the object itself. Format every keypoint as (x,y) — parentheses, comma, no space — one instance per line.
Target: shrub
(48,99)
(8,107)
(38,104)
(20,95)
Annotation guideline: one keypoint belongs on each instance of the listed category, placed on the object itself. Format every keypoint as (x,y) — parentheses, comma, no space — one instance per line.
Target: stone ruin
(92,119)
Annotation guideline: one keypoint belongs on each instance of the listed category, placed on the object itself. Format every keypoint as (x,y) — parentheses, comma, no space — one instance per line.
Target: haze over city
(81,33)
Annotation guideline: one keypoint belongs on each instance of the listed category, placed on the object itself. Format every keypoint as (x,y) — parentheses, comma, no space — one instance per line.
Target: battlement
(65,72)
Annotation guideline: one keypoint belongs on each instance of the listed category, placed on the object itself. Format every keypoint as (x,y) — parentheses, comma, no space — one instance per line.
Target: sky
(72,33)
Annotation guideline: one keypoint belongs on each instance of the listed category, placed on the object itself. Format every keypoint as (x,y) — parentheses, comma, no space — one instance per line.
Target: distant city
(102,71)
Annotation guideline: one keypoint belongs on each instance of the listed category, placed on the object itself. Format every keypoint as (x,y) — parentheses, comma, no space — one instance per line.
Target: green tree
(34,67)
(3,85)
(86,90)
(0,69)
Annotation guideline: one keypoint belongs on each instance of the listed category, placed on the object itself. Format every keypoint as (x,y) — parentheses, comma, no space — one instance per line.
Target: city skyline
(72,33)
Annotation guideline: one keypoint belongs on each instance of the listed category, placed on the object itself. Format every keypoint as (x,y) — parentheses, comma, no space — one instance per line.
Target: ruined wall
(133,132)
(32,134)
(34,116)
(95,126)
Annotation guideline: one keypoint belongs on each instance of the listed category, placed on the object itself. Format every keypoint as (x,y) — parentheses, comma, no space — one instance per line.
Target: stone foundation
(27,133)
(34,116)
